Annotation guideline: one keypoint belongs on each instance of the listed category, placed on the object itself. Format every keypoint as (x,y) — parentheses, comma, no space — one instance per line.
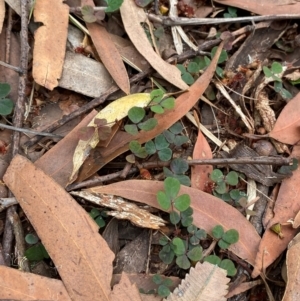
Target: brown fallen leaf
(286,207)
(50,41)
(209,211)
(19,285)
(265,7)
(243,287)
(120,143)
(132,16)
(108,52)
(200,173)
(67,231)
(204,282)
(61,154)
(287,126)
(2,14)
(292,290)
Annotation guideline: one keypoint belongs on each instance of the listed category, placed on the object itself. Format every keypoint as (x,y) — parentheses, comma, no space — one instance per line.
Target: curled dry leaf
(132,17)
(50,41)
(287,126)
(266,7)
(120,142)
(204,282)
(64,228)
(209,211)
(286,207)
(124,210)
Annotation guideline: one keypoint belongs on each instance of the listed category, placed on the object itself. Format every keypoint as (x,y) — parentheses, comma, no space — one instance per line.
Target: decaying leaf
(286,207)
(287,126)
(115,111)
(124,210)
(50,41)
(68,233)
(108,52)
(204,282)
(209,211)
(19,285)
(292,290)
(132,16)
(120,143)
(2,14)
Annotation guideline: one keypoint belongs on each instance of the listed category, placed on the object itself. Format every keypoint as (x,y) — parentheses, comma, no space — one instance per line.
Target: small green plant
(163,285)
(98,217)
(37,251)
(225,239)
(222,181)
(191,72)
(225,264)
(274,72)
(231,12)
(178,168)
(159,145)
(6,104)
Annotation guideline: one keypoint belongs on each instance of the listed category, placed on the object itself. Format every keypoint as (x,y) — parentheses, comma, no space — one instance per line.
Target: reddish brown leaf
(209,211)
(286,207)
(200,173)
(265,7)
(119,144)
(287,126)
(108,52)
(67,231)
(18,285)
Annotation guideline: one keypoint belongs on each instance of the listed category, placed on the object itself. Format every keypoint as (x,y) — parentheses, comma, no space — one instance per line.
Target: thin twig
(17,69)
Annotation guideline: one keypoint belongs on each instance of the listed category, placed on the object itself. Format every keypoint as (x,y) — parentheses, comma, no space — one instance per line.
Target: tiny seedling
(163,285)
(222,181)
(231,12)
(98,217)
(159,145)
(6,104)
(37,251)
(225,239)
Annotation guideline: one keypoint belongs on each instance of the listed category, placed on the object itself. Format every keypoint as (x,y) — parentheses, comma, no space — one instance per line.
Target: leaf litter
(256,96)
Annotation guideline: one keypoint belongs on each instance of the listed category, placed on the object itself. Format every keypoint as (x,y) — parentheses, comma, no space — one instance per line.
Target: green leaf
(148,125)
(166,257)
(267,71)
(141,153)
(207,61)
(165,154)
(231,236)
(136,114)
(113,5)
(172,187)
(195,254)
(213,259)
(176,128)
(134,146)
(187,78)
(181,68)
(158,109)
(223,244)
(163,291)
(220,72)
(192,229)
(223,56)
(221,187)
(36,253)
(169,136)
(4,89)
(232,178)
(163,201)
(183,179)
(89,18)
(188,212)
(194,240)
(100,221)
(228,265)
(201,234)
(167,282)
(193,67)
(179,166)
(31,239)
(157,93)
(163,241)
(168,103)
(235,194)
(201,62)
(179,246)
(186,221)
(174,218)
(183,262)
(285,94)
(182,202)
(6,106)
(179,140)
(276,68)
(216,175)
(94,213)
(217,231)
(161,142)
(157,279)
(150,147)
(131,129)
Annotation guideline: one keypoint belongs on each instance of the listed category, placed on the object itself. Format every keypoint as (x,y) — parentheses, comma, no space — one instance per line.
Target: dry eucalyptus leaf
(50,42)
(124,210)
(204,282)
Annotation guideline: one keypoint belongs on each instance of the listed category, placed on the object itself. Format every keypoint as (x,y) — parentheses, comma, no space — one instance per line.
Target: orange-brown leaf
(108,52)
(286,207)
(68,233)
(200,173)
(50,41)
(209,211)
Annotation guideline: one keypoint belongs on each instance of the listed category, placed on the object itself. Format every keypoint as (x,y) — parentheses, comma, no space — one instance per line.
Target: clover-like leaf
(179,246)
(217,231)
(157,279)
(131,129)
(168,103)
(213,259)
(148,125)
(216,175)
(31,239)
(223,244)
(174,218)
(150,147)
(169,136)
(4,89)
(158,109)
(165,154)
(231,236)
(136,114)
(186,221)
(232,178)
(163,241)
(187,78)
(195,254)
(166,257)
(223,56)
(6,106)
(228,265)
(193,67)
(221,187)
(176,128)
(163,291)
(161,142)
(179,166)
(163,200)
(182,202)
(113,5)
(276,68)
(179,140)
(183,262)
(267,71)
(172,187)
